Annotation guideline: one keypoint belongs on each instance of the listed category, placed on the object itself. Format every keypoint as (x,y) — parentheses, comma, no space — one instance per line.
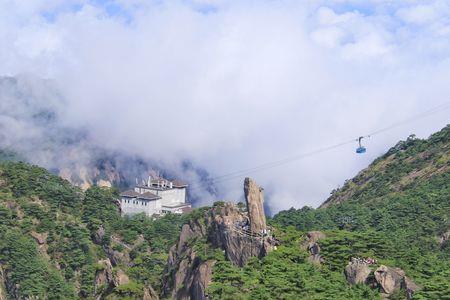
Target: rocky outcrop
(104,279)
(107,278)
(313,247)
(443,239)
(410,287)
(392,279)
(3,294)
(120,277)
(40,238)
(230,231)
(202,279)
(239,234)
(184,265)
(389,279)
(8,290)
(117,257)
(150,294)
(255,206)
(357,272)
(99,235)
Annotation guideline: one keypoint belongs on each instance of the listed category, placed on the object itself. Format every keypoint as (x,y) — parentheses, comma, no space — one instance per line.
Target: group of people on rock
(245,226)
(367,261)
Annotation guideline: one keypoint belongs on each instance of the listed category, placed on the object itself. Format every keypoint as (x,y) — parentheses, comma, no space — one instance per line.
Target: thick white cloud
(231,85)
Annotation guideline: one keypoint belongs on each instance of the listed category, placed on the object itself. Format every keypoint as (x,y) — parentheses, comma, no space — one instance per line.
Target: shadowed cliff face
(224,227)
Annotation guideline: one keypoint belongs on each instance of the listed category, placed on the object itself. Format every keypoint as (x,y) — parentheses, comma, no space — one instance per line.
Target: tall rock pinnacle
(255,199)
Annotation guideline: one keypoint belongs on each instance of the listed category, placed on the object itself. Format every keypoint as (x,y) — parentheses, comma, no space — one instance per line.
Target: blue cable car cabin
(361,149)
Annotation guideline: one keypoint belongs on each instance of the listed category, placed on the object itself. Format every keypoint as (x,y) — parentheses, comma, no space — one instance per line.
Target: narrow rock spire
(255,199)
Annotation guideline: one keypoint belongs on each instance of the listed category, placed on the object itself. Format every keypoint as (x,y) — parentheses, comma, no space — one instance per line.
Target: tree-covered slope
(397,210)
(57,242)
(406,165)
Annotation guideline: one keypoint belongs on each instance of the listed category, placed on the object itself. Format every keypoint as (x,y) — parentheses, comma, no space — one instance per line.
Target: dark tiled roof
(179,183)
(130,194)
(148,196)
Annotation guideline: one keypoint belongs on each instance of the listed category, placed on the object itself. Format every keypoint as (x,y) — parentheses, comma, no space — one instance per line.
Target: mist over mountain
(228,86)
(32,127)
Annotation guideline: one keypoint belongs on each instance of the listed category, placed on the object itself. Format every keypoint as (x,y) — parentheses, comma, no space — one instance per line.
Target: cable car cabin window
(360,150)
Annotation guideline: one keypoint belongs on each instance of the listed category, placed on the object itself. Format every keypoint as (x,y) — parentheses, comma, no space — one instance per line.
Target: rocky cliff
(240,234)
(254,199)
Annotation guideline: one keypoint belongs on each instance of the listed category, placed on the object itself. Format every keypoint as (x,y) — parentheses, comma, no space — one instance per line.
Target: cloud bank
(230,85)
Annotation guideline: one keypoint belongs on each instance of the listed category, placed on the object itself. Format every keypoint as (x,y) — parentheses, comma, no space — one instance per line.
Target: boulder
(314,236)
(313,247)
(99,235)
(389,279)
(117,257)
(443,239)
(120,277)
(410,287)
(357,272)
(40,238)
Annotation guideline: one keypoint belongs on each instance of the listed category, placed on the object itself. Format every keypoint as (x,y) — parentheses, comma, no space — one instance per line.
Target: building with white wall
(155,197)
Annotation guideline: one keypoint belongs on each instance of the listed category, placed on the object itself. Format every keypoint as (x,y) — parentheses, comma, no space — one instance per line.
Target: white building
(155,197)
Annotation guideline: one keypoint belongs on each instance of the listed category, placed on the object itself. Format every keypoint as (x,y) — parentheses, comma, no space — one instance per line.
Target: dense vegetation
(395,210)
(37,205)
(283,274)
(53,236)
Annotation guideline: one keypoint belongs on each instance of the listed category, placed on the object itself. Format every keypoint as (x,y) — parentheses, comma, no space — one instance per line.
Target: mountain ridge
(385,237)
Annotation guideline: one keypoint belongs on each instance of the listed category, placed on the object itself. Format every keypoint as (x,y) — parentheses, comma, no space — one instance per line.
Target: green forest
(34,202)
(54,237)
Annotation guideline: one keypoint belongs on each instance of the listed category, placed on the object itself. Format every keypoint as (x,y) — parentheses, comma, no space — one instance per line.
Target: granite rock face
(313,247)
(3,294)
(241,235)
(187,275)
(255,206)
(410,287)
(104,279)
(150,294)
(357,272)
(389,279)
(230,230)
(392,279)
